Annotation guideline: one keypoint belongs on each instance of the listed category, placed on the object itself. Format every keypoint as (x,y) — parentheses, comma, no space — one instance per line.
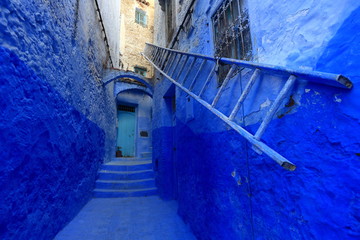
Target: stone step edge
(124,190)
(125,181)
(131,159)
(127,163)
(126,172)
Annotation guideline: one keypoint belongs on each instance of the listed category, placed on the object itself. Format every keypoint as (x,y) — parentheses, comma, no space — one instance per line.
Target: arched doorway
(134,123)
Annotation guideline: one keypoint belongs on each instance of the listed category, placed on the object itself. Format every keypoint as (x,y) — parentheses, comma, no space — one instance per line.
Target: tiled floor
(141,218)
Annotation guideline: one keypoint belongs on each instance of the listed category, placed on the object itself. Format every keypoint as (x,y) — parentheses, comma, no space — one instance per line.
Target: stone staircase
(125,177)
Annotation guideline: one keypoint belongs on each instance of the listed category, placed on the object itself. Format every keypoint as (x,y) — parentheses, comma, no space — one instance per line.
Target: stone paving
(137,218)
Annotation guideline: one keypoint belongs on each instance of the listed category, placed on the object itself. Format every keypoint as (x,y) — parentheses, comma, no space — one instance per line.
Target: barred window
(232,32)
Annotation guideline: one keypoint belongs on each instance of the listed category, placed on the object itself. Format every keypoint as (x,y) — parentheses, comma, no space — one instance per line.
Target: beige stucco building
(137,28)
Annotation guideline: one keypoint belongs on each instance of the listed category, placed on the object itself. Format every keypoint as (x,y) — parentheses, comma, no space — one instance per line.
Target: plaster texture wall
(57,119)
(124,86)
(62,42)
(227,191)
(164,133)
(143,103)
(134,35)
(110,13)
(49,151)
(159,25)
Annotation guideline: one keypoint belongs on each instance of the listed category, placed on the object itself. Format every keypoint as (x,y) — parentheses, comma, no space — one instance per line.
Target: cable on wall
(103,29)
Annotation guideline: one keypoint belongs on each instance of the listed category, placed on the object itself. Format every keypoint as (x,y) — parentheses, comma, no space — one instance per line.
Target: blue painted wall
(164,134)
(62,42)
(57,121)
(225,190)
(49,152)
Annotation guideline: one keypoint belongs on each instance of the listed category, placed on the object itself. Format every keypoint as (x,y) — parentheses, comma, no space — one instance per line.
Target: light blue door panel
(126,133)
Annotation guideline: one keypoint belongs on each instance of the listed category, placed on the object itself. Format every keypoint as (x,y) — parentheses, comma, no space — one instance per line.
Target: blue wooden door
(126,133)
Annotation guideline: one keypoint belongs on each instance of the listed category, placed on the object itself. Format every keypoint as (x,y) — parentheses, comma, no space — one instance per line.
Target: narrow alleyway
(145,218)
(243,114)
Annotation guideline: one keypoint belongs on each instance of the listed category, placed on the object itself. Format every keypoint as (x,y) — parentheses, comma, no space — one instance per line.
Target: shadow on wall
(343,49)
(50,154)
(165,148)
(342,55)
(218,193)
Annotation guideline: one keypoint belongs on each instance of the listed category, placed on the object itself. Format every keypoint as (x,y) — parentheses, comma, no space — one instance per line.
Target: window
(231,30)
(140,70)
(140,17)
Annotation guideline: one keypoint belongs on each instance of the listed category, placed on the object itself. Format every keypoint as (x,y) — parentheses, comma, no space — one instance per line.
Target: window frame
(140,17)
(139,70)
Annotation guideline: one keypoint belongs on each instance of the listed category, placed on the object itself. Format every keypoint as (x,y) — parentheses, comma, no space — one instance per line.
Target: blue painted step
(127,165)
(125,184)
(104,193)
(125,175)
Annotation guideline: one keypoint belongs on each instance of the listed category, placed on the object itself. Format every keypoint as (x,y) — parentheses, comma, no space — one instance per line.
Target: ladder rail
(248,136)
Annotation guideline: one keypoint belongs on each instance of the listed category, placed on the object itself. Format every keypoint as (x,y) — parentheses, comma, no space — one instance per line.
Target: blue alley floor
(137,218)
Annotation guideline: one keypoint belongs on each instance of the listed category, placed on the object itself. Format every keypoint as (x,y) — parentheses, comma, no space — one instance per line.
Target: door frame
(135,106)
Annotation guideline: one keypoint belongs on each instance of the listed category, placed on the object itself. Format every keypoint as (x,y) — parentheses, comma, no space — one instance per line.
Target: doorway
(126,130)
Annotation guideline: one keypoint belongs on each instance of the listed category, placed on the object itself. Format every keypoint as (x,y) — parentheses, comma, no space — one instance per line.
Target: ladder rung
(165,58)
(182,68)
(244,94)
(207,80)
(151,52)
(162,57)
(189,70)
(176,62)
(280,97)
(169,61)
(158,58)
(223,85)
(155,54)
(173,56)
(196,75)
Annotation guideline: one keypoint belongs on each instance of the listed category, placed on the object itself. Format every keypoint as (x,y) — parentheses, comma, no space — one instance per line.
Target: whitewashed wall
(110,12)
